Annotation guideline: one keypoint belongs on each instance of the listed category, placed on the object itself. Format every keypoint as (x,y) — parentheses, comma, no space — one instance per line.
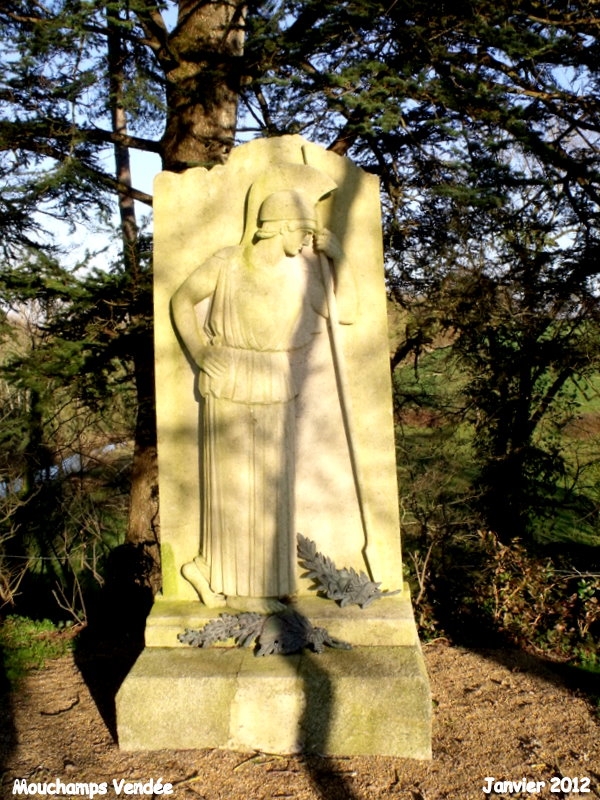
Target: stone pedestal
(371,700)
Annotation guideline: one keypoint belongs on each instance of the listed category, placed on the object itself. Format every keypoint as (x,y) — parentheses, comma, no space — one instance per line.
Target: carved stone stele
(284,439)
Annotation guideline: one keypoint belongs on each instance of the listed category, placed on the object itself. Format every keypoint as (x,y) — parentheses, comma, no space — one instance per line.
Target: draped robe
(257,317)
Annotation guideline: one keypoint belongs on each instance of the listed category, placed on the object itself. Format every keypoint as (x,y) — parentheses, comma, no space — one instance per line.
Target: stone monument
(275,419)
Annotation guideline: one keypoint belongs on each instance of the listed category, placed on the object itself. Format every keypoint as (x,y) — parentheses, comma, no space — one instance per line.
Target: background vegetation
(481,121)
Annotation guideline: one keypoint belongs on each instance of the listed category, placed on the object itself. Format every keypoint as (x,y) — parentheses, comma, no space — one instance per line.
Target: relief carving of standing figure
(265,297)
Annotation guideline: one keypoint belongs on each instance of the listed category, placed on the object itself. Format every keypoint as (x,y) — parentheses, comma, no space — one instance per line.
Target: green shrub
(481,591)
(27,644)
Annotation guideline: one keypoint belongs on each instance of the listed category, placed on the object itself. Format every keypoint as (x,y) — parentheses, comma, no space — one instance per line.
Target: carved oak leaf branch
(346,586)
(283,633)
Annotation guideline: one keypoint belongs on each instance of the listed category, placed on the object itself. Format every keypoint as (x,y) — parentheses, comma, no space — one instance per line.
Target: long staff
(339,365)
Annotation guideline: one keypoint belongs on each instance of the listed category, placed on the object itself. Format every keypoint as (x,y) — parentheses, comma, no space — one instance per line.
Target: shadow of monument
(114,637)
(563,675)
(328,781)
(8,734)
(315,726)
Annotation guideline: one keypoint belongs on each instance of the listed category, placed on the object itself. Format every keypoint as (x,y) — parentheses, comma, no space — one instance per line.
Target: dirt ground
(497,714)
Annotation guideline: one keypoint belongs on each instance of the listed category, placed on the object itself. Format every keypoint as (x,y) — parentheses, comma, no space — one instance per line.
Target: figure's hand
(328,243)
(213,361)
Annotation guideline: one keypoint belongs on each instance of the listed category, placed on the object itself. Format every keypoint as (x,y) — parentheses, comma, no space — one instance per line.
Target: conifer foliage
(481,120)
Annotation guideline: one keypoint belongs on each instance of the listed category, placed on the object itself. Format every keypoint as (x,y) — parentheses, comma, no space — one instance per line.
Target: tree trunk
(143,529)
(201,60)
(203,82)
(143,524)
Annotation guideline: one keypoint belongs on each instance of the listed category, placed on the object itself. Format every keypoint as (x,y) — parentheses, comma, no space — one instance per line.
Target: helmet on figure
(288,205)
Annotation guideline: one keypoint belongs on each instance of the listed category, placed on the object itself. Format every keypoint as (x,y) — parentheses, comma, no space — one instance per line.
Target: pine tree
(480,119)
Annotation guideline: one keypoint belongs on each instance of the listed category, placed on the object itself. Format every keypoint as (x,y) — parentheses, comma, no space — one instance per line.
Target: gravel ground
(497,714)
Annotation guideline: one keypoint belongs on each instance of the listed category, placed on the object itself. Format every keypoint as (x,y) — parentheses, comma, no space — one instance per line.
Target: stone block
(365,701)
(387,622)
(175,697)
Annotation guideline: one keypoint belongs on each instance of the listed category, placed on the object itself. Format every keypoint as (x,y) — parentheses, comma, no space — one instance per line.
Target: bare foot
(256,605)
(193,572)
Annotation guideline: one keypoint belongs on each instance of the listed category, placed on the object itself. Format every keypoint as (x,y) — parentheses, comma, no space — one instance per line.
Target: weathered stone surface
(158,708)
(197,214)
(268,705)
(369,701)
(388,622)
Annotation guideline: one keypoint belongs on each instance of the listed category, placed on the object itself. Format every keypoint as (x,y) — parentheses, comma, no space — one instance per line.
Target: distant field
(436,458)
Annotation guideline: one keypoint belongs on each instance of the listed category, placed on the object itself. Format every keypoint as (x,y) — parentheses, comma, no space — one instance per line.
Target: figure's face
(295,237)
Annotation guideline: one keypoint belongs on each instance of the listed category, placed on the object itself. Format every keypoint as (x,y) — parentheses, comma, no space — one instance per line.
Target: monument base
(371,700)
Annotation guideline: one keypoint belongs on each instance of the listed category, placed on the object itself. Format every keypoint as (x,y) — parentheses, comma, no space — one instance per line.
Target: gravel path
(498,714)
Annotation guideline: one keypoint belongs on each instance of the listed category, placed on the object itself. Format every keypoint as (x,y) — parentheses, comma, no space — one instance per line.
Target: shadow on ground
(478,635)
(114,637)
(577,679)
(329,779)
(475,630)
